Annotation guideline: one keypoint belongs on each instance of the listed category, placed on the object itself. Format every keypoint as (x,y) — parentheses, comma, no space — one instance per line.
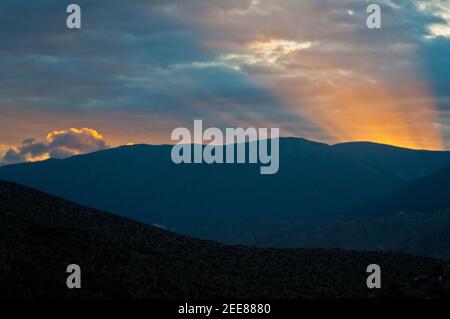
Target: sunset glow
(313,69)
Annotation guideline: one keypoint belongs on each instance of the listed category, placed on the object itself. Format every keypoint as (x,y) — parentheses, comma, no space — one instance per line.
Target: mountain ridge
(141,182)
(414,219)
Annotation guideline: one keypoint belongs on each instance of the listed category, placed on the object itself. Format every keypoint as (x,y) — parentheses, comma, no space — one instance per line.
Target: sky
(138,69)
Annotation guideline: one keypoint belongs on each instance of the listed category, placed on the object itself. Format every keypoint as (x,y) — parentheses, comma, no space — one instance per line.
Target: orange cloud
(58,144)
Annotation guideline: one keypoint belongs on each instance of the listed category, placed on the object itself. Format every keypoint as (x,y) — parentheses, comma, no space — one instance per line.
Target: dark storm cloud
(125,56)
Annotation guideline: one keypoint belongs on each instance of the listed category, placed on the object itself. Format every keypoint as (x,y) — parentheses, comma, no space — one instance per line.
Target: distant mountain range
(414,219)
(235,204)
(120,258)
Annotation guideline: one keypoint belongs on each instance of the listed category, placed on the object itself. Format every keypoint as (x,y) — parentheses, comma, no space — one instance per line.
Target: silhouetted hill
(40,235)
(225,202)
(413,219)
(424,195)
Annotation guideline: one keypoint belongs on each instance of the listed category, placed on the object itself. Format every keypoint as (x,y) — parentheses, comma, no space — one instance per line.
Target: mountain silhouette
(228,202)
(120,258)
(424,195)
(413,219)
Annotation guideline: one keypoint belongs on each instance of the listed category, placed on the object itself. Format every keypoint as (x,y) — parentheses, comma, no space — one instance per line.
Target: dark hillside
(40,235)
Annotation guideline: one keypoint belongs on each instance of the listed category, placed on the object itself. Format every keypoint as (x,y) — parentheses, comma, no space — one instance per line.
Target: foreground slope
(40,235)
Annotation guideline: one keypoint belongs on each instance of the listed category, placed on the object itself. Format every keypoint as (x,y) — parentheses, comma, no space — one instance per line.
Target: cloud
(58,144)
(442,127)
(226,62)
(439,9)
